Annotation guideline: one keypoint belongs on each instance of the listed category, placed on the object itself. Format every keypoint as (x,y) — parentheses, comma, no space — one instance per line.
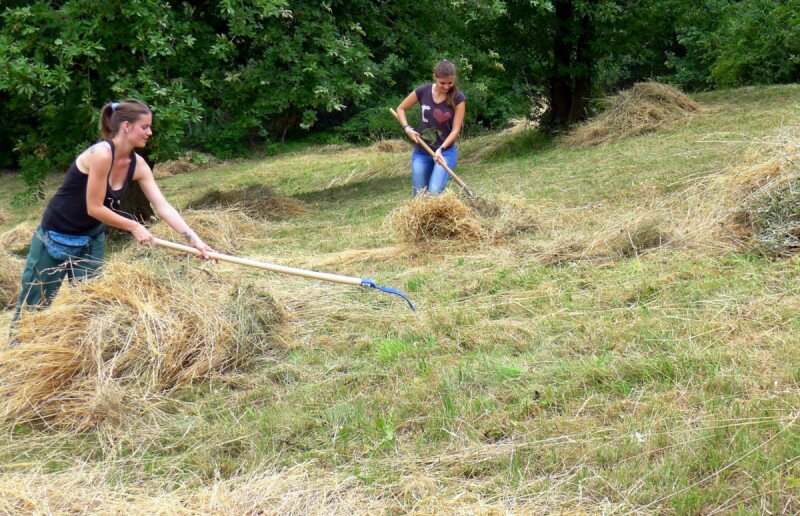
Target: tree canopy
(233,76)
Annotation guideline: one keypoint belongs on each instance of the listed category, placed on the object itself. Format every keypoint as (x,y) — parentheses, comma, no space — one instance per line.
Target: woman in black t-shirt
(70,240)
(442,108)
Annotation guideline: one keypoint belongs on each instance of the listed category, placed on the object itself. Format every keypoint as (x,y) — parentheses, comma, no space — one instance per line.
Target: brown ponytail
(447,69)
(114,113)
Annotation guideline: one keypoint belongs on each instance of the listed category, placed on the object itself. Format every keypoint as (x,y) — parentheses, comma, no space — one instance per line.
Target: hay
(479,148)
(192,161)
(226,231)
(108,345)
(640,109)
(258,201)
(17,240)
(751,206)
(442,217)
(428,218)
(391,146)
(10,275)
(628,237)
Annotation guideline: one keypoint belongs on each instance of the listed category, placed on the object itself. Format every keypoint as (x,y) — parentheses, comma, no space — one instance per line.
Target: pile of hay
(392,146)
(10,275)
(256,200)
(443,217)
(759,201)
(189,162)
(640,109)
(107,346)
(428,218)
(17,240)
(225,230)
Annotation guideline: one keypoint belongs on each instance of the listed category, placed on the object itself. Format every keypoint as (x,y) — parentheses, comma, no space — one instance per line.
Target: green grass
(666,383)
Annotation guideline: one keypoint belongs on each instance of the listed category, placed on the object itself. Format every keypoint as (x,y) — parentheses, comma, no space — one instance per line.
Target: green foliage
(725,43)
(34,170)
(759,43)
(230,77)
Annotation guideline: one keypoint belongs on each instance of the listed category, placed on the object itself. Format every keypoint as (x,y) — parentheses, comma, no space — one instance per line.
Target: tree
(561,48)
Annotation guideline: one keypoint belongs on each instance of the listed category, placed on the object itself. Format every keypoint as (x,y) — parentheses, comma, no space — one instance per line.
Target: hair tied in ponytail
(114,106)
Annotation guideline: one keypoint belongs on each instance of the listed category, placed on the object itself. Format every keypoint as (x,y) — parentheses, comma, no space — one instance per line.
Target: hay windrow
(258,201)
(628,237)
(638,110)
(225,230)
(17,239)
(107,345)
(10,275)
(752,206)
(427,219)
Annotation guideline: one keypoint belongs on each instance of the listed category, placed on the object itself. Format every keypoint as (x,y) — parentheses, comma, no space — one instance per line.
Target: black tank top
(67,213)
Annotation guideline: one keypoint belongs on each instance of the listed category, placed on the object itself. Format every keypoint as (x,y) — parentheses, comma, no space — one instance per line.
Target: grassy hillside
(539,377)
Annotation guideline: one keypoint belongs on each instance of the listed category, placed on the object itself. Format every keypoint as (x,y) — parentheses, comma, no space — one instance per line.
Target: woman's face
(140,131)
(445,84)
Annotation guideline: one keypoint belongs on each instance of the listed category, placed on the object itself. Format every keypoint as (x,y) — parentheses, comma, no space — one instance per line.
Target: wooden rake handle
(444,165)
(324,276)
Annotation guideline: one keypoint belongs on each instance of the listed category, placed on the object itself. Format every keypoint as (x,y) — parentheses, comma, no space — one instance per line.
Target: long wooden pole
(324,276)
(424,145)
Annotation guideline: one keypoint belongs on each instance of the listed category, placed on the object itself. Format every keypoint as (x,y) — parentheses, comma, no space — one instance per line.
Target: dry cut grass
(391,146)
(428,218)
(743,207)
(257,201)
(225,230)
(10,274)
(640,109)
(106,345)
(17,239)
(182,165)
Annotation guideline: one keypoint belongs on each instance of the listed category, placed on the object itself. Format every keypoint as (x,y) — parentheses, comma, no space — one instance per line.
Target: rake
(282,269)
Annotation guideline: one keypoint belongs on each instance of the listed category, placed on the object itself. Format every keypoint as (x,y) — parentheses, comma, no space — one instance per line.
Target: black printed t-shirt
(436,122)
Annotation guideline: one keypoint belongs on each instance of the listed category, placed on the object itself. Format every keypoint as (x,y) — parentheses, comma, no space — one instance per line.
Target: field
(626,354)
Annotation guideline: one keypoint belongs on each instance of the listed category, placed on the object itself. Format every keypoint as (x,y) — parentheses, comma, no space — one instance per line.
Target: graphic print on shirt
(431,134)
(441,116)
(425,107)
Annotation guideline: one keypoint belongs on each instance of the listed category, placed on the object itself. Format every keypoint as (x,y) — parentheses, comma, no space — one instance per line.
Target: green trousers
(43,274)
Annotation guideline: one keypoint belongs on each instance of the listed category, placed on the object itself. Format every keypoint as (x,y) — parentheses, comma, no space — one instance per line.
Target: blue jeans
(427,174)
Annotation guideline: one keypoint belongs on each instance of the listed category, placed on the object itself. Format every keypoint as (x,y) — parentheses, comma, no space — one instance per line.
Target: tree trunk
(560,84)
(571,74)
(583,77)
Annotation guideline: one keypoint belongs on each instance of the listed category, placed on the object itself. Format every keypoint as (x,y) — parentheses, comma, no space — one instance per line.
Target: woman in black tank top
(71,238)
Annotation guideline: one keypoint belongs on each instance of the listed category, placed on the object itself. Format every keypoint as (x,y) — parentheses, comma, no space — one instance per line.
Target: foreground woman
(70,241)
(442,107)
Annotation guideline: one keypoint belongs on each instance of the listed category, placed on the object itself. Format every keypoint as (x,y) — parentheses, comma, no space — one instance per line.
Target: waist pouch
(61,246)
